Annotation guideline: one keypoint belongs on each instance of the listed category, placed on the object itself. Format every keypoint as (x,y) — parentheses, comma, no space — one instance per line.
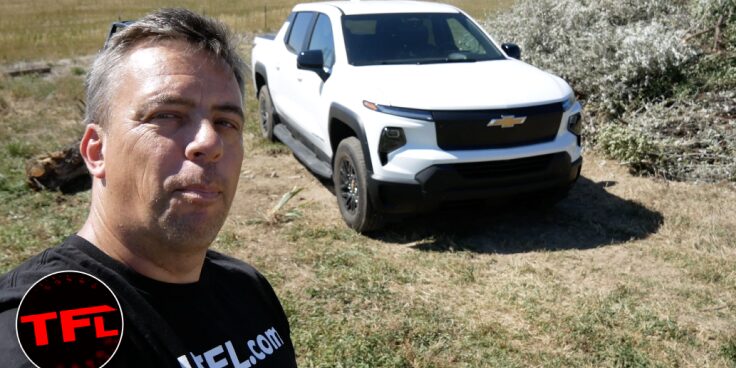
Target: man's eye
(165,115)
(228,123)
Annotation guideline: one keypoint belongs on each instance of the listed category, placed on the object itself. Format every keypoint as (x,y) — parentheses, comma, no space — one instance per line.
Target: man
(163,144)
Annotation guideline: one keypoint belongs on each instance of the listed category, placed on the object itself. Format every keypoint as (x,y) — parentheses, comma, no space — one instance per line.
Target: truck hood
(493,84)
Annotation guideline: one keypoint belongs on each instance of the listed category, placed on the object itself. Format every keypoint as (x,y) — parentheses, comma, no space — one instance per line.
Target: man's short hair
(202,33)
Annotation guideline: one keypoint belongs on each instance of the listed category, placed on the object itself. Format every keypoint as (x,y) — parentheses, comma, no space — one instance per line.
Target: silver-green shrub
(613,52)
(632,62)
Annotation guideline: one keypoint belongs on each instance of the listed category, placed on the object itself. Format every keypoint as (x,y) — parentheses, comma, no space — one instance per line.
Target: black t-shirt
(231,317)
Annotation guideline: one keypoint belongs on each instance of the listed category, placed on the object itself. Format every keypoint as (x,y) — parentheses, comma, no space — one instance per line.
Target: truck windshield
(415,38)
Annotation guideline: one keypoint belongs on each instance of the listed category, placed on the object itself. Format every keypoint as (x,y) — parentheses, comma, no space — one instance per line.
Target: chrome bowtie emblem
(507,121)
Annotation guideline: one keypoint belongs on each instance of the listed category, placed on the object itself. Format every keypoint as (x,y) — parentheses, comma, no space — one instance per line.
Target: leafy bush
(658,90)
(629,146)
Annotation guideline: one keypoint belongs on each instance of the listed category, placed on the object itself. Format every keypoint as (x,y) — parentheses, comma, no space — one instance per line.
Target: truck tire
(267,116)
(350,178)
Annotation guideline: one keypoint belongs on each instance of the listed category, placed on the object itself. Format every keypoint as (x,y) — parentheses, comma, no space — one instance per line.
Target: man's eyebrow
(233,109)
(171,100)
(177,100)
(159,100)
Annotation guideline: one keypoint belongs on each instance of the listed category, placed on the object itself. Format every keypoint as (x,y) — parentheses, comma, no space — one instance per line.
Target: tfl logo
(69,319)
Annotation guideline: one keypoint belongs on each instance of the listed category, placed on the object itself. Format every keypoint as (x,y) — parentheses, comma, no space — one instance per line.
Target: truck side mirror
(312,60)
(512,50)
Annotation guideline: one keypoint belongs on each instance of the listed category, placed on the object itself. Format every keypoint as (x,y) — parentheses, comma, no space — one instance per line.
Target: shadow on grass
(589,217)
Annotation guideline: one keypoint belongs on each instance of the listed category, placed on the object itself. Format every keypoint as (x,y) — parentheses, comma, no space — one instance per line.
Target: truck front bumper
(477,182)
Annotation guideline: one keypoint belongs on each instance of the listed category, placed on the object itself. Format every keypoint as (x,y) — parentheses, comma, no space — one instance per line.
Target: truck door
(311,88)
(284,81)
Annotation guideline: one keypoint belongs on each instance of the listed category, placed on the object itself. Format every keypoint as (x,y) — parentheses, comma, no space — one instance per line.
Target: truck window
(298,31)
(322,39)
(415,38)
(463,39)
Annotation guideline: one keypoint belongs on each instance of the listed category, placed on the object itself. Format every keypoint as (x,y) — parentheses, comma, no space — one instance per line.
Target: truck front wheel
(350,178)
(267,116)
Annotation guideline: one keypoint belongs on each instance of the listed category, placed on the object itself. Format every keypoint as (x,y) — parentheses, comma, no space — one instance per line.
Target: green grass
(30,86)
(352,317)
(728,350)
(618,330)
(41,116)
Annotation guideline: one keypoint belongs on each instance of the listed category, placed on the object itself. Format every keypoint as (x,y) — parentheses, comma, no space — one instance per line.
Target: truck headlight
(400,111)
(569,103)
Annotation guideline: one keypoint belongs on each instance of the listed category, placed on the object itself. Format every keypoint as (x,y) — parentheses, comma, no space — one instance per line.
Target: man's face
(172,147)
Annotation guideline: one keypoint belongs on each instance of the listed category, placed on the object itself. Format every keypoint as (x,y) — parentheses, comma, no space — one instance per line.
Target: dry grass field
(51,29)
(626,272)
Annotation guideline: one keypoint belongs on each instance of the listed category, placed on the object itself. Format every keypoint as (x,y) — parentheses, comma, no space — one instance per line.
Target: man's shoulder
(13,286)
(14,283)
(227,270)
(244,280)
(231,265)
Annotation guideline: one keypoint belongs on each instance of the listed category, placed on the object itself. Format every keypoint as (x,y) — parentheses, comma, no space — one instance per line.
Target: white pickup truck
(408,106)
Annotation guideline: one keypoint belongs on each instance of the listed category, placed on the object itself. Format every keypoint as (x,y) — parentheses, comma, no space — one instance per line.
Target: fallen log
(63,170)
(29,70)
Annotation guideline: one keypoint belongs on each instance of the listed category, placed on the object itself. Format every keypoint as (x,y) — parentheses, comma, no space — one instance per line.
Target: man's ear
(92,149)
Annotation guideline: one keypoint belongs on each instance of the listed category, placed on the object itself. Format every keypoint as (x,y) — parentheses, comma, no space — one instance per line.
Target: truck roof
(354,7)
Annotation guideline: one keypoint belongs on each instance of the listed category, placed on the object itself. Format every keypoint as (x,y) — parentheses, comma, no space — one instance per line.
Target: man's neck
(153,262)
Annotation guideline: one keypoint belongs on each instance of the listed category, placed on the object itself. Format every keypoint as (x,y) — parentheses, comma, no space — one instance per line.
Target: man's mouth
(199,193)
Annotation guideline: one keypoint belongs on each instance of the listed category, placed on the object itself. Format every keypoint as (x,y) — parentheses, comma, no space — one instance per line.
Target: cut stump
(61,170)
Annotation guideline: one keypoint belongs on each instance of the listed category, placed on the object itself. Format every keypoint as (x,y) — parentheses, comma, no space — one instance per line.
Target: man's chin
(191,231)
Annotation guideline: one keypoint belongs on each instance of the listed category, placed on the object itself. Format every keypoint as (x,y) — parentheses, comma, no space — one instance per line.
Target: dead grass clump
(278,214)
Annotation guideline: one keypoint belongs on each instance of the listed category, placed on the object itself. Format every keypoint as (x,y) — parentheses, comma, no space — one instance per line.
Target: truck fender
(345,115)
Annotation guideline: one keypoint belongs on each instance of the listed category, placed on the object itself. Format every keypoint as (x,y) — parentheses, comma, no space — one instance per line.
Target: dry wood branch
(715,308)
(717,38)
(697,34)
(29,70)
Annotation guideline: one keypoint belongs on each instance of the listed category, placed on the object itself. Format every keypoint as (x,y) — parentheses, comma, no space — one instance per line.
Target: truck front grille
(469,130)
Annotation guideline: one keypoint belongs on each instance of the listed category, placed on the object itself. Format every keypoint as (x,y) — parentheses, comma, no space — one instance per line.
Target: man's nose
(206,145)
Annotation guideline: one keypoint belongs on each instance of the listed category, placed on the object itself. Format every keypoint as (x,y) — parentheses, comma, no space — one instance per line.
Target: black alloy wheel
(351,187)
(349,191)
